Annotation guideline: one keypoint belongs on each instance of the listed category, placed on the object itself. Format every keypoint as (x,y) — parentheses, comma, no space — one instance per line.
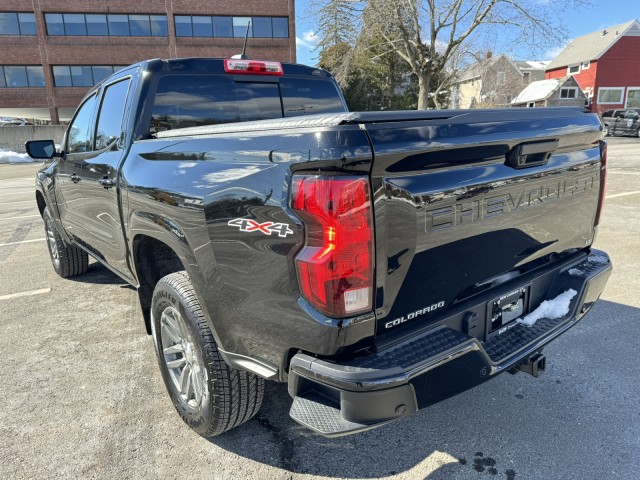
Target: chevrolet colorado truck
(377,262)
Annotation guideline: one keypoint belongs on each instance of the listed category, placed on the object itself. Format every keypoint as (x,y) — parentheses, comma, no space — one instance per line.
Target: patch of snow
(551,309)
(13,157)
(576,272)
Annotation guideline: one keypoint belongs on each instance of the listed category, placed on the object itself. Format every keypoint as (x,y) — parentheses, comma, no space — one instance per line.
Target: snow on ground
(7,156)
(551,309)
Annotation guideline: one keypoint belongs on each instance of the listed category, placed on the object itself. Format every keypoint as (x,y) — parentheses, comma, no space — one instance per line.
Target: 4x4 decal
(282,229)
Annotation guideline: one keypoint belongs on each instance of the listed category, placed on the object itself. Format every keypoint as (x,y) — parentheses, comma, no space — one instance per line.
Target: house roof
(538,91)
(532,64)
(475,70)
(593,45)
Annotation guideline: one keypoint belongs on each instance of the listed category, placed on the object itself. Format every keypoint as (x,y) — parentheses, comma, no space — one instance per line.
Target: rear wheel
(67,260)
(210,396)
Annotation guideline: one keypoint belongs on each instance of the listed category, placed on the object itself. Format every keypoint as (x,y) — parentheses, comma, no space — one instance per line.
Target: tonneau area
(351,118)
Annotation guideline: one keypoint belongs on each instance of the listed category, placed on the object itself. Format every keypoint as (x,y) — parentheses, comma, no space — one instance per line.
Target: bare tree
(430,35)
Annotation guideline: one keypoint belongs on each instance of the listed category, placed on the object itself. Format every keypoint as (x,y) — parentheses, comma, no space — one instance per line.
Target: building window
(501,78)
(531,104)
(17,23)
(81,75)
(633,97)
(230,27)
(567,93)
(610,95)
(102,25)
(21,76)
(573,70)
(586,65)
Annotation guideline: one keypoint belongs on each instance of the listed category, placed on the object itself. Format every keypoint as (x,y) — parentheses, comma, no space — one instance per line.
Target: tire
(67,260)
(209,396)
(607,132)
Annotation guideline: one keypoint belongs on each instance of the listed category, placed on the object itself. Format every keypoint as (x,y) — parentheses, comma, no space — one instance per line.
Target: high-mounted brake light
(335,266)
(254,67)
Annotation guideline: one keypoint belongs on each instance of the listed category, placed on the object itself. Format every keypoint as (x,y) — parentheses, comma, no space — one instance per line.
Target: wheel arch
(153,259)
(42,204)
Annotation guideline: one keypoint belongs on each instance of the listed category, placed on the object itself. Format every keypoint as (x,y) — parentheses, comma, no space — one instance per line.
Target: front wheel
(67,260)
(210,396)
(607,132)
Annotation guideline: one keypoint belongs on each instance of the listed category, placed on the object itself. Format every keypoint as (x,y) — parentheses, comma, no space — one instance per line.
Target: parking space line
(616,195)
(623,173)
(21,216)
(23,241)
(25,294)
(13,203)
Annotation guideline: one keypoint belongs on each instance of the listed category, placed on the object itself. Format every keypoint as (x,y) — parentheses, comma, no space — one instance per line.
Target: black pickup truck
(378,262)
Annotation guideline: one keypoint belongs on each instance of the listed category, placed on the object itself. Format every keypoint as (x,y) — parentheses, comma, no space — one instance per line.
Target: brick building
(52,51)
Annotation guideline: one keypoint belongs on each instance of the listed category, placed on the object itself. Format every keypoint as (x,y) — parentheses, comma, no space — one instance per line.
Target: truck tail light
(603,181)
(254,67)
(335,266)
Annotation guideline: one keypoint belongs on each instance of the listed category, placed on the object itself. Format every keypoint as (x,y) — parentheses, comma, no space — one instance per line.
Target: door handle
(106,182)
(75,178)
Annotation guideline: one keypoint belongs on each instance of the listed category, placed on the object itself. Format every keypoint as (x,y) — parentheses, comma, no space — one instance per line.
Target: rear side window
(183,101)
(111,114)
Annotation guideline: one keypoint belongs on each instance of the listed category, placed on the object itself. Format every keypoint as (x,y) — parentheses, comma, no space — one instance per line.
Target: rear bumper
(337,399)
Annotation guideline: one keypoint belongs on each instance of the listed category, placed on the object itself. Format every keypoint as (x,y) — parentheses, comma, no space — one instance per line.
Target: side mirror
(41,149)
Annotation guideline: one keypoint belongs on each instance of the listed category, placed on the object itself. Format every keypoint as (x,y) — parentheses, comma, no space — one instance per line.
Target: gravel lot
(83,396)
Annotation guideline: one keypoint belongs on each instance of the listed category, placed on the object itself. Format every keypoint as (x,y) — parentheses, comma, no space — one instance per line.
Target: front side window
(79,132)
(111,114)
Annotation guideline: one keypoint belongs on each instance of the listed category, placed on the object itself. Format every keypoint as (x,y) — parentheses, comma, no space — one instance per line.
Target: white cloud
(554,52)
(308,40)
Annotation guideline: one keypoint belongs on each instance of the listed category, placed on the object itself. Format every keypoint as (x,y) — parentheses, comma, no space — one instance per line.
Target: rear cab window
(191,100)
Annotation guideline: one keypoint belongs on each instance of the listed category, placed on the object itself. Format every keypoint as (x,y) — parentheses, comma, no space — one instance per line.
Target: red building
(606,65)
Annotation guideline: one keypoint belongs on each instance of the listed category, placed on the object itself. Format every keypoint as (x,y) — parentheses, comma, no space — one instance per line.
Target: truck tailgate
(455,213)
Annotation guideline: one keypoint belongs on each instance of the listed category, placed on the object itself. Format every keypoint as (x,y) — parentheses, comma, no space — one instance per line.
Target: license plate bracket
(502,311)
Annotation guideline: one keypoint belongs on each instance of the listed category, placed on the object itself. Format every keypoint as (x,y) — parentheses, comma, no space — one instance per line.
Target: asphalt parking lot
(82,396)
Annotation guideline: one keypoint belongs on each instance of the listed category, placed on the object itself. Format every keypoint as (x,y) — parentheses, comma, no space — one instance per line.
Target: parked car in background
(15,122)
(622,122)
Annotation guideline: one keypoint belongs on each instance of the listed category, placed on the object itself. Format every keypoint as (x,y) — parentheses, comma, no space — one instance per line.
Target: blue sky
(602,13)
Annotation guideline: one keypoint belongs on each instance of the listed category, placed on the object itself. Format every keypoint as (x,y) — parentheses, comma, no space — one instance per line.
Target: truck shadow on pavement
(100,275)
(515,426)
